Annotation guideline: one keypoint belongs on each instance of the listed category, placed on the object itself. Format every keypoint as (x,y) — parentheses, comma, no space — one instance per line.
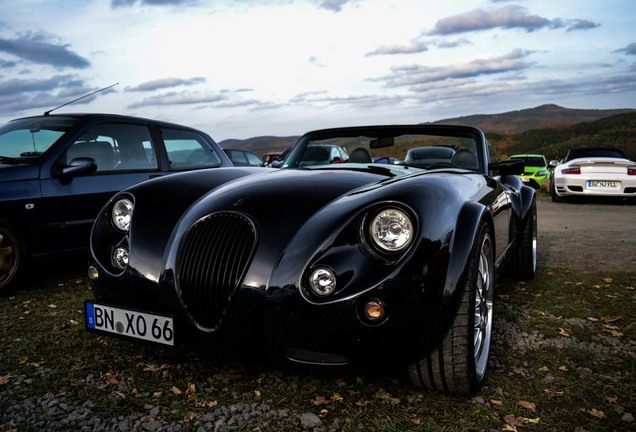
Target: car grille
(216,253)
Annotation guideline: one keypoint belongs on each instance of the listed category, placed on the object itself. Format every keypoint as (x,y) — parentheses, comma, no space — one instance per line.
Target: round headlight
(322,281)
(120,258)
(122,213)
(391,230)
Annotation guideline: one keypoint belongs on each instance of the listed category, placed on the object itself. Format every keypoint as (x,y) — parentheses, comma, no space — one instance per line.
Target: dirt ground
(592,236)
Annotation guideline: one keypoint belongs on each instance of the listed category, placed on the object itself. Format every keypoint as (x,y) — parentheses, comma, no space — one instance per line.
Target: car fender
(462,241)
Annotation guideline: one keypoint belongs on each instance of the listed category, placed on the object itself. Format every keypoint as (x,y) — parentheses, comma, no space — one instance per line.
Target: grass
(565,360)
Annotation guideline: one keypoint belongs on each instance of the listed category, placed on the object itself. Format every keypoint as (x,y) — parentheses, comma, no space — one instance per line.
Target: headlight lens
(120,258)
(540,173)
(391,230)
(122,213)
(322,281)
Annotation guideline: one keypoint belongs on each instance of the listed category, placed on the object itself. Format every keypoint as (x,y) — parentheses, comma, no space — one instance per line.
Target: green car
(536,169)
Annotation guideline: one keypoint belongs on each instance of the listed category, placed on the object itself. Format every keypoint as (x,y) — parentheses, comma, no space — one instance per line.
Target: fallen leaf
(563,368)
(257,393)
(112,380)
(157,394)
(527,405)
(189,417)
(323,413)
(416,421)
(320,400)
(496,402)
(76,368)
(363,402)
(52,306)
(175,390)
(611,399)
(596,413)
(509,428)
(512,420)
(608,320)
(191,388)
(121,395)
(5,379)
(607,280)
(562,332)
(592,319)
(543,369)
(336,397)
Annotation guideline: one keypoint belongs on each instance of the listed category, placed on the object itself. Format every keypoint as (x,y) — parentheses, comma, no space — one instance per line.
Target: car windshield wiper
(9,160)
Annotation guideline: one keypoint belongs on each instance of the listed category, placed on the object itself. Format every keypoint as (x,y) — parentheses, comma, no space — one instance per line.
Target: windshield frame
(386,132)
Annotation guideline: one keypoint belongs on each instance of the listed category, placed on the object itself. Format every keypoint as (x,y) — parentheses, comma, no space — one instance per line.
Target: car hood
(9,173)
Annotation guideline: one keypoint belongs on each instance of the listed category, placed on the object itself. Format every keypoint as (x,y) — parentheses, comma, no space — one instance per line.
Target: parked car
(243,157)
(536,170)
(593,171)
(58,171)
(326,264)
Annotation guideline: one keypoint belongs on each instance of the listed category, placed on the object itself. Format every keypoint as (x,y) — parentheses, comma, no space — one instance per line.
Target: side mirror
(508,167)
(554,163)
(78,166)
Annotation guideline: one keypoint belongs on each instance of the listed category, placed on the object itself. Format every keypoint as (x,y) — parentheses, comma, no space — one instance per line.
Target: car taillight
(631,171)
(573,170)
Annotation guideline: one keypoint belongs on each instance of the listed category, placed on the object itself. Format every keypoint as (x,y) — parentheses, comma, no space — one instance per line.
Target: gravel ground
(603,237)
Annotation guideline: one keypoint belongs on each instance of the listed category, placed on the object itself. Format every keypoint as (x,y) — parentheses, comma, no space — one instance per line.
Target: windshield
(26,139)
(416,147)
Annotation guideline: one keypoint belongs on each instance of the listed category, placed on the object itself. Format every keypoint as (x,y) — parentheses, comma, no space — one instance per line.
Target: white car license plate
(603,184)
(133,324)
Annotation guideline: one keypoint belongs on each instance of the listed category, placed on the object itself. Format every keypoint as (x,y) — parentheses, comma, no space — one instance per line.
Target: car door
(187,150)
(124,154)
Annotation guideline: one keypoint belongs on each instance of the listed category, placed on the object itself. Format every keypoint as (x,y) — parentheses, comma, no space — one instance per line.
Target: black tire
(458,363)
(12,257)
(524,260)
(553,194)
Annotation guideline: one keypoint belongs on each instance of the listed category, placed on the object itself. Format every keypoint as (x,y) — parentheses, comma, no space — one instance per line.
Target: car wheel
(458,363)
(555,197)
(12,257)
(524,260)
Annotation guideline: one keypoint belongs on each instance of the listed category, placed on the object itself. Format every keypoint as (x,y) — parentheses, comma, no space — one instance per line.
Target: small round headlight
(120,258)
(322,281)
(391,230)
(122,213)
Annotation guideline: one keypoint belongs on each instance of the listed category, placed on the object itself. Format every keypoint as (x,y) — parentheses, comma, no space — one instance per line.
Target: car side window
(115,147)
(254,159)
(188,149)
(238,156)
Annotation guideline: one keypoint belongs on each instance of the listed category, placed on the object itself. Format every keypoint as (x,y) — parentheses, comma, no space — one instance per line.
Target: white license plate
(133,324)
(603,184)
(525,179)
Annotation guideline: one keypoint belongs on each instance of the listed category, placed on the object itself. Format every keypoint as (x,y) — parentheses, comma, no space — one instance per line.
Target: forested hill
(544,115)
(547,129)
(554,141)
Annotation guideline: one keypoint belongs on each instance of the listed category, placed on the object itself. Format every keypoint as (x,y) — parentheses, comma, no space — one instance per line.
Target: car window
(238,156)
(254,159)
(27,139)
(188,149)
(115,147)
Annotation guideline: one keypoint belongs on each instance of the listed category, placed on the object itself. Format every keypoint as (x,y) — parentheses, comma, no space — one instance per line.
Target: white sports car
(593,171)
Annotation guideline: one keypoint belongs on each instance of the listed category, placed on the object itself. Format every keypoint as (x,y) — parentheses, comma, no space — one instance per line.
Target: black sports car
(324,264)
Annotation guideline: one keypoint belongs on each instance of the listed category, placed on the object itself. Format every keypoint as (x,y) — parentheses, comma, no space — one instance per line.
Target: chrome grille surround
(215,255)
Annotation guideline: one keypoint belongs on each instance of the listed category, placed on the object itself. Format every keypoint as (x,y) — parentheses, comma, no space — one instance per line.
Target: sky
(247,68)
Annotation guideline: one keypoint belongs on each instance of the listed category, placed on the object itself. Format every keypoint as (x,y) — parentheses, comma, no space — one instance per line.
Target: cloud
(582,25)
(34,49)
(417,75)
(128,3)
(166,83)
(505,17)
(629,49)
(7,63)
(414,46)
(174,98)
(19,95)
(332,5)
